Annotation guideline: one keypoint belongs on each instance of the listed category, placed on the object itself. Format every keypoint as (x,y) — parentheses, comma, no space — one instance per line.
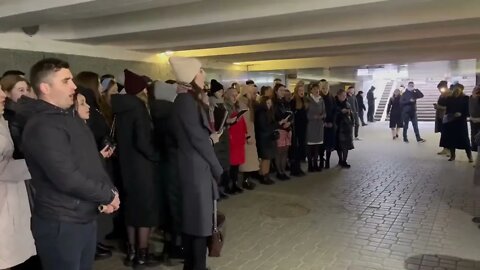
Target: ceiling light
(168,53)
(237,63)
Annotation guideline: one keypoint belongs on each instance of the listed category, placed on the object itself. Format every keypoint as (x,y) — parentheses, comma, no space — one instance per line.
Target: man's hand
(286,125)
(345,110)
(251,141)
(457,114)
(412,100)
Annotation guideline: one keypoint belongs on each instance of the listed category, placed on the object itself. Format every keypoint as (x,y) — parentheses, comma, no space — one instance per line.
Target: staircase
(383,101)
(425,110)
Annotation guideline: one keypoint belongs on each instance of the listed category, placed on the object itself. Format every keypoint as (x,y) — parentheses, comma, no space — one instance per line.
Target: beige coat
(251,156)
(16,240)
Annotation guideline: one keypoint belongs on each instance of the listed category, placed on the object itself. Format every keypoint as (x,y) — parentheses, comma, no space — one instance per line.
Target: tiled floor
(400,206)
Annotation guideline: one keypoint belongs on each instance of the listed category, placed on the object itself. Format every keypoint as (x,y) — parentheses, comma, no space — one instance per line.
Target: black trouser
(64,245)
(360,115)
(468,151)
(195,252)
(474,129)
(371,111)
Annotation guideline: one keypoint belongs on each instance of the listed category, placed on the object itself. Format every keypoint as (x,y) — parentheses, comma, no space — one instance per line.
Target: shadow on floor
(440,262)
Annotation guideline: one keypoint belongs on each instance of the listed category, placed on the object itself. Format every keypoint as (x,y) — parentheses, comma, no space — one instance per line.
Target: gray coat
(197,164)
(315,115)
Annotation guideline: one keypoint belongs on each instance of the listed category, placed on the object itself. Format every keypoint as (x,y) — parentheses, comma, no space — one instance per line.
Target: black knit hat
(215,86)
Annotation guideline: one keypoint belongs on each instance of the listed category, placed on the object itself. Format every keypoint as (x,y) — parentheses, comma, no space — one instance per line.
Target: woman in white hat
(198,166)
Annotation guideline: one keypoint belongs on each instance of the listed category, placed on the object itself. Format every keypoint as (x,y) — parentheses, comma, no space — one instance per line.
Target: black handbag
(215,242)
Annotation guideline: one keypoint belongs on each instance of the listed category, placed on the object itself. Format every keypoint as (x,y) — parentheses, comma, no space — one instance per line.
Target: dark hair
(250,82)
(442,84)
(270,112)
(89,80)
(171,81)
(340,91)
(350,87)
(323,80)
(44,68)
(264,89)
(360,93)
(277,79)
(277,86)
(13,72)
(411,83)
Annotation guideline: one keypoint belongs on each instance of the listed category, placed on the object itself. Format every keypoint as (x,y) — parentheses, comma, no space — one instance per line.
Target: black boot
(247,184)
(130,258)
(452,155)
(266,180)
(144,259)
(236,188)
(102,252)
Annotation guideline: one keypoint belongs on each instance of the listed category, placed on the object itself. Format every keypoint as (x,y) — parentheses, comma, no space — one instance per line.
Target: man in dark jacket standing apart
(408,101)
(352,99)
(67,172)
(371,104)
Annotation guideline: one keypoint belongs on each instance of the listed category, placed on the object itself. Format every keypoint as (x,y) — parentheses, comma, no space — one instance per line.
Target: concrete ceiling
(266,34)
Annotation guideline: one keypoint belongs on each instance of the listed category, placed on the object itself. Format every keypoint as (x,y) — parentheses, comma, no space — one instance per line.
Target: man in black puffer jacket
(70,181)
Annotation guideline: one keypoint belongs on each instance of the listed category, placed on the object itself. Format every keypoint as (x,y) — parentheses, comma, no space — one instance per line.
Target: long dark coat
(299,139)
(138,160)
(439,114)
(330,112)
(344,123)
(166,145)
(222,148)
(265,126)
(455,130)
(197,165)
(395,111)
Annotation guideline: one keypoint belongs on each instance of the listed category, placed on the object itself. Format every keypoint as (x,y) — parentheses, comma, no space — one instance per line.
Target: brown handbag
(215,242)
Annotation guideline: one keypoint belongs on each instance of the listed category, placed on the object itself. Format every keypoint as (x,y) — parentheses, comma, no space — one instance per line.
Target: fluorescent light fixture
(169,53)
(237,63)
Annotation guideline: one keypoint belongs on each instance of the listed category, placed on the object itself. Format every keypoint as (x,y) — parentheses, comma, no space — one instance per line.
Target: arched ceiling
(266,34)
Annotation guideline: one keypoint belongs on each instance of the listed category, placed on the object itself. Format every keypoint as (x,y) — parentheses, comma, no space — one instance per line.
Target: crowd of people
(167,150)
(75,146)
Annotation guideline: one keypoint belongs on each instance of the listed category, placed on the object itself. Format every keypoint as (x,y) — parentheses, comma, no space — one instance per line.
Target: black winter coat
(16,121)
(66,168)
(265,126)
(138,159)
(344,126)
(361,103)
(330,111)
(166,144)
(455,129)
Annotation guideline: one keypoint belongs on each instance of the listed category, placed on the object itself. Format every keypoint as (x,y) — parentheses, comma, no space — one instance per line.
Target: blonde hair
(324,85)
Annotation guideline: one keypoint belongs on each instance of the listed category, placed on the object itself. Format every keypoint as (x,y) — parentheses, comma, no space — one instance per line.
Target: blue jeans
(64,245)
(407,117)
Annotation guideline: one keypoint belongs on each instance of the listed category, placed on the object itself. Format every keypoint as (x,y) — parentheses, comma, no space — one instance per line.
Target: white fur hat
(184,68)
